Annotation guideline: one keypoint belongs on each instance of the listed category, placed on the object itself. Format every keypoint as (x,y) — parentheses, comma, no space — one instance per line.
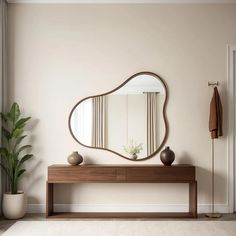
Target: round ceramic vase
(167,156)
(75,159)
(134,156)
(14,205)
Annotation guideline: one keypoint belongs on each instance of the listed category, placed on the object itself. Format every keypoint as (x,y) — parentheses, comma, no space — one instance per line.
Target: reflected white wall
(81,122)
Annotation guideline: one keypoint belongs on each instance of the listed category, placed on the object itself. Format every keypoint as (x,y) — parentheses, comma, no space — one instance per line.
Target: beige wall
(60,54)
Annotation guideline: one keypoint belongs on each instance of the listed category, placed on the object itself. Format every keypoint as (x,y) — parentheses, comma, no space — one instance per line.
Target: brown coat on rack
(215,118)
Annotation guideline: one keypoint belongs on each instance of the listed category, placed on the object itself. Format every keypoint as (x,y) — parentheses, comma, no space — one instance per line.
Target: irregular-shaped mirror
(129,121)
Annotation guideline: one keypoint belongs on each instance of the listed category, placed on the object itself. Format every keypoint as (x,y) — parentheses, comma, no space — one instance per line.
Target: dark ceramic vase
(134,156)
(167,156)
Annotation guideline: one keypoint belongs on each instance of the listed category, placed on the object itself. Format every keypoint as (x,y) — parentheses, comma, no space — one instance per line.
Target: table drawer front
(154,174)
(82,175)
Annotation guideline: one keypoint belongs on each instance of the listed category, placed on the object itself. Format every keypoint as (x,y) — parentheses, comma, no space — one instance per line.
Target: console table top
(120,165)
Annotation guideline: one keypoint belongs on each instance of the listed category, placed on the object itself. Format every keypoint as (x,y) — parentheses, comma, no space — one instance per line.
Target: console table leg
(49,199)
(193,199)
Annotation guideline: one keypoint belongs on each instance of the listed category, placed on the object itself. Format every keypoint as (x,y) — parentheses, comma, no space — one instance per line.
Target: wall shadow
(185,158)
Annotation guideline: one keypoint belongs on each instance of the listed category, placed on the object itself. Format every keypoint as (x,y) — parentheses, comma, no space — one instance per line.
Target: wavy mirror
(129,120)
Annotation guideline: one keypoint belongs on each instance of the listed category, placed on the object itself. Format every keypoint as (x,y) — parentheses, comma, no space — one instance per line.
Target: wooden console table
(122,174)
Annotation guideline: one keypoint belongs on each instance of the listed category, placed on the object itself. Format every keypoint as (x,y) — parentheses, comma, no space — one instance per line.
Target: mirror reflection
(128,121)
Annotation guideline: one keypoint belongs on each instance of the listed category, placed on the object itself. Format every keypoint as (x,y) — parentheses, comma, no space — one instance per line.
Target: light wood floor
(5,224)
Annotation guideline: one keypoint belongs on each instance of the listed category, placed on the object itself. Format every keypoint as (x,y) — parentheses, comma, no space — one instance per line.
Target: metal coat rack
(213,214)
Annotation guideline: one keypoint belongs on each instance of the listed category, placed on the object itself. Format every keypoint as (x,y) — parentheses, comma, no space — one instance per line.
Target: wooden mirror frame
(113,90)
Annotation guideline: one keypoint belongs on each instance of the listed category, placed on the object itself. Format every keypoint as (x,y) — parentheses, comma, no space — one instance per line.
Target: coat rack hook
(215,83)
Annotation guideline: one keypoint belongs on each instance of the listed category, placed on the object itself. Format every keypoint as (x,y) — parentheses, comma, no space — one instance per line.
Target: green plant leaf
(18,141)
(21,123)
(17,133)
(20,172)
(22,148)
(5,169)
(3,116)
(3,151)
(14,113)
(4,154)
(6,133)
(25,158)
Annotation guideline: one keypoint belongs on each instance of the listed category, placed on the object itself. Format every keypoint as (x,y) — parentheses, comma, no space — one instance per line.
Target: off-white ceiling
(122,1)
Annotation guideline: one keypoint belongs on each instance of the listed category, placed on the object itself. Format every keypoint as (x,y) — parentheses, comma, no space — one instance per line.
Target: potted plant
(12,161)
(133,149)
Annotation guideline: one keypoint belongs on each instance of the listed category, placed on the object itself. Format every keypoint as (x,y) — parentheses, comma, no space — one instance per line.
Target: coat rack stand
(213,214)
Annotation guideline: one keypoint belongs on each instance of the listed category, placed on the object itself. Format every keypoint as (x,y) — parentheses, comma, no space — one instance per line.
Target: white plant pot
(14,205)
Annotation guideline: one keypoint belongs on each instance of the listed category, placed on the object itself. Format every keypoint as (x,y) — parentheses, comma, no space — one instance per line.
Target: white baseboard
(202,208)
